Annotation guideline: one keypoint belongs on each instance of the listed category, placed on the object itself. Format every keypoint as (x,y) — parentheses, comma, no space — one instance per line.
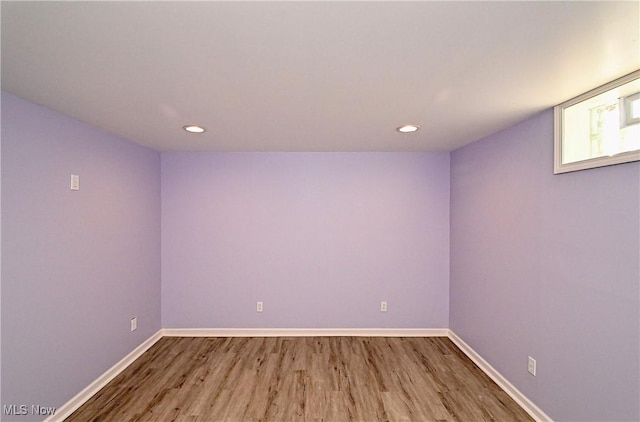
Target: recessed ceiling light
(408,128)
(194,128)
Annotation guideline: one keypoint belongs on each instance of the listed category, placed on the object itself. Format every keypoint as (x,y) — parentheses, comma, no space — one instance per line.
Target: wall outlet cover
(531,366)
(75,182)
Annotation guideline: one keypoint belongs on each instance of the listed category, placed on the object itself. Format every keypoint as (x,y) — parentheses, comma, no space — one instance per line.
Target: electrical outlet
(259,307)
(75,182)
(531,366)
(134,323)
(383,306)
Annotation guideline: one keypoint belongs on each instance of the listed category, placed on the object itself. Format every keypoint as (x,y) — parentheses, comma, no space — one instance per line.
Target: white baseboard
(305,332)
(534,411)
(79,399)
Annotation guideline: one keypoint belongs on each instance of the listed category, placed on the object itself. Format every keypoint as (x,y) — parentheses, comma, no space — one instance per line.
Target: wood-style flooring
(319,379)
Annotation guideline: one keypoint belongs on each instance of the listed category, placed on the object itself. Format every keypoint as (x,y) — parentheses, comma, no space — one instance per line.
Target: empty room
(320,211)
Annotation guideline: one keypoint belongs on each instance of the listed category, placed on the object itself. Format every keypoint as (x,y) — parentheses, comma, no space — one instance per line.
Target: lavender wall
(549,266)
(320,238)
(542,265)
(76,266)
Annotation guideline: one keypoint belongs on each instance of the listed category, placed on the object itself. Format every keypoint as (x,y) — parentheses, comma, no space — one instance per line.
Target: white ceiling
(312,76)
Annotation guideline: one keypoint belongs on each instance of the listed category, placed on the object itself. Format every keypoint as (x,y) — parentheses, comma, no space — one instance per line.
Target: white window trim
(558,165)
(625,110)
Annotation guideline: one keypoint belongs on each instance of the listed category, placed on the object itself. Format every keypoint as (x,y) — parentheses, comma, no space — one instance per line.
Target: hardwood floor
(319,379)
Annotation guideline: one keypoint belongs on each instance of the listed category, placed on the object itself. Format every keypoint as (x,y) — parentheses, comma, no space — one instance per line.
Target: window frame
(626,119)
(625,157)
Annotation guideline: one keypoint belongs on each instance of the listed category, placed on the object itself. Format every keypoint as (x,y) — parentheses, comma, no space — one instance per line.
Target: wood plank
(312,379)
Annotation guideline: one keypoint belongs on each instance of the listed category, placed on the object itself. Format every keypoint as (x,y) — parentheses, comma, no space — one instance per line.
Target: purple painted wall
(542,265)
(320,238)
(549,267)
(76,266)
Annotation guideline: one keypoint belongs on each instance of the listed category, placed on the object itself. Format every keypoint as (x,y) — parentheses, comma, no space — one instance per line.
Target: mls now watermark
(23,409)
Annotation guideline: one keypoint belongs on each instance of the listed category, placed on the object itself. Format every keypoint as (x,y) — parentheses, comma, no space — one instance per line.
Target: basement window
(600,127)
